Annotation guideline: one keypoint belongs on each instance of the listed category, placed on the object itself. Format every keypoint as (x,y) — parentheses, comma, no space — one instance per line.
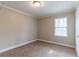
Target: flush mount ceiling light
(36,3)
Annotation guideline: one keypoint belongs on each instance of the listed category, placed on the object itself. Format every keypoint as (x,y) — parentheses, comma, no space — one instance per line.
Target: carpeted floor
(40,49)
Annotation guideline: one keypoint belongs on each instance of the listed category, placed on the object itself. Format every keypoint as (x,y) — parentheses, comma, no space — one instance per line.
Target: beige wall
(16,28)
(46,29)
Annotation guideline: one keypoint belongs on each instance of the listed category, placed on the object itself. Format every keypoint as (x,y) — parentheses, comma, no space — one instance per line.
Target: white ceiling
(48,7)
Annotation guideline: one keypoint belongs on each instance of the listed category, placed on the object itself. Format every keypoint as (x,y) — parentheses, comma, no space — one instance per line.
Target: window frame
(60,27)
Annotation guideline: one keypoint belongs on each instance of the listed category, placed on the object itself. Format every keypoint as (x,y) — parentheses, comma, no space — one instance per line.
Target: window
(61,26)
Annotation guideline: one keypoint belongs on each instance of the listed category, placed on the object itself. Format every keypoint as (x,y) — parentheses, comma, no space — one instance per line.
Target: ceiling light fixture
(36,3)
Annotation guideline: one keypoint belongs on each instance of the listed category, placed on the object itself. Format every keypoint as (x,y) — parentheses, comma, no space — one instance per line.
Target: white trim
(77,52)
(13,9)
(15,46)
(57,43)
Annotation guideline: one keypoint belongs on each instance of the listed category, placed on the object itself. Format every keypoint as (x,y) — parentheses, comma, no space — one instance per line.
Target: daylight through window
(61,26)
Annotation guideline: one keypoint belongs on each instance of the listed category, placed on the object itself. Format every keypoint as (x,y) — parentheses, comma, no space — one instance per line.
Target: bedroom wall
(16,28)
(47,29)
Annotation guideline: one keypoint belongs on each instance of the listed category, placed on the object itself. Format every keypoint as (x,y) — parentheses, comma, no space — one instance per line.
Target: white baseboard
(15,46)
(9,48)
(57,43)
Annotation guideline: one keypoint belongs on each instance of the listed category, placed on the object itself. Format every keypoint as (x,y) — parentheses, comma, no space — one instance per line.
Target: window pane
(60,31)
(61,22)
(61,27)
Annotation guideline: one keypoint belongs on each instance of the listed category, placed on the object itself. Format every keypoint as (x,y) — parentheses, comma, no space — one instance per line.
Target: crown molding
(13,9)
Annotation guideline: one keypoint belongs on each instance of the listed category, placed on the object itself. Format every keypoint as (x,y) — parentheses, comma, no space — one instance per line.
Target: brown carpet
(40,49)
